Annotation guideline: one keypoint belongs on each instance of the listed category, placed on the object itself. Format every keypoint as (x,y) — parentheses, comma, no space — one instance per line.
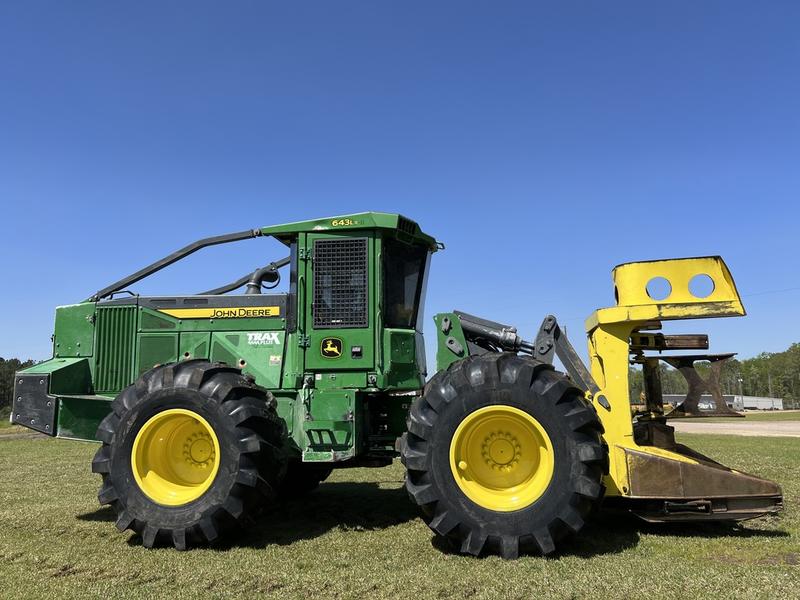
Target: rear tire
(503,455)
(190,452)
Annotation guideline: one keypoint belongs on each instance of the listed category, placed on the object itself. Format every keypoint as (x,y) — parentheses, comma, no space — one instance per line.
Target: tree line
(771,374)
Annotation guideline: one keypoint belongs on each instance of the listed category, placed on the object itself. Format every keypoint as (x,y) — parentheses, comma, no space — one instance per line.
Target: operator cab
(359,302)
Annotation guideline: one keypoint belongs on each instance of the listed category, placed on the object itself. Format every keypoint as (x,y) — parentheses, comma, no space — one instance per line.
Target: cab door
(341,313)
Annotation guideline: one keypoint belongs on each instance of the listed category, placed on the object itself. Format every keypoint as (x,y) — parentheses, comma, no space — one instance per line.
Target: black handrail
(174,257)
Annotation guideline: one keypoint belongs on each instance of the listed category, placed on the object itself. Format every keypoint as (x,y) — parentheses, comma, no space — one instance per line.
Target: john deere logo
(331,348)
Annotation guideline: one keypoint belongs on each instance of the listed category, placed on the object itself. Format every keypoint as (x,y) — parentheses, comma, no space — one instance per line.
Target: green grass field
(359,536)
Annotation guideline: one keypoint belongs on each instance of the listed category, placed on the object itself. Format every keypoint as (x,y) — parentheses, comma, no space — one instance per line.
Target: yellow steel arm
(609,337)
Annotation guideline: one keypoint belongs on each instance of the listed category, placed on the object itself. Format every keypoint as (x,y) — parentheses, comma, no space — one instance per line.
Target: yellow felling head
(634,303)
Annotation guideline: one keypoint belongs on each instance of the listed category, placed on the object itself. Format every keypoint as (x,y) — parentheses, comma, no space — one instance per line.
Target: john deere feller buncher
(208,405)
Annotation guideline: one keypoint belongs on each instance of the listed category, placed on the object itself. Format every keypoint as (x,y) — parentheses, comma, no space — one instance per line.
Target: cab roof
(352,222)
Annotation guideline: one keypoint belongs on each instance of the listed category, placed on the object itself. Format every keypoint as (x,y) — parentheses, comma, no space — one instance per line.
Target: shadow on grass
(364,507)
(357,507)
(101,514)
(711,530)
(346,506)
(595,539)
(611,533)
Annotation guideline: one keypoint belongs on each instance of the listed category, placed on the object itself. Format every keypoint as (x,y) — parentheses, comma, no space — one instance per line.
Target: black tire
(571,423)
(302,478)
(251,460)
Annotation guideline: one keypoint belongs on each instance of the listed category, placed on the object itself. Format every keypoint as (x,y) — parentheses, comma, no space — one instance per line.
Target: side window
(403,267)
(341,284)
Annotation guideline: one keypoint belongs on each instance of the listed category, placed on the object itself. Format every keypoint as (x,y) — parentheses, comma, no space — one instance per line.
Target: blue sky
(543,143)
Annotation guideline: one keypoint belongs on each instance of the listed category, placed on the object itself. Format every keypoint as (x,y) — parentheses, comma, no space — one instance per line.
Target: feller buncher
(207,406)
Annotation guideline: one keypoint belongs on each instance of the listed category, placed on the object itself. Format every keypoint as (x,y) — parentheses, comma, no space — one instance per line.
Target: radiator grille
(340,284)
(116,331)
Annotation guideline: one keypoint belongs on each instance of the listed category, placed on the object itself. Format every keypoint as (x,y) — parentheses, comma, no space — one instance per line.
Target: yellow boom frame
(648,471)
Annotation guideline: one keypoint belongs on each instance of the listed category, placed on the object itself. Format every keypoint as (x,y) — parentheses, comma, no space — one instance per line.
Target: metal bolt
(41,382)
(49,403)
(20,381)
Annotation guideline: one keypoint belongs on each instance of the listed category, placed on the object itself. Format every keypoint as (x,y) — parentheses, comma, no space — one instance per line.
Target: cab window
(403,268)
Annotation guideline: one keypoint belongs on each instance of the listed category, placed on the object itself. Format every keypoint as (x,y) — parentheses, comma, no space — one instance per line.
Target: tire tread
(546,385)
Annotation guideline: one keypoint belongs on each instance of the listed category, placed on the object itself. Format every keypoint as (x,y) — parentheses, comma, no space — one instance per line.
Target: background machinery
(206,406)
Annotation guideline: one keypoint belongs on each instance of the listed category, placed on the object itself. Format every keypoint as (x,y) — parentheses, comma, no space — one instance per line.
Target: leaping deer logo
(331,347)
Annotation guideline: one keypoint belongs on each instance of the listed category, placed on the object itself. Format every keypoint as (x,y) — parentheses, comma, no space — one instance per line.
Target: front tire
(503,455)
(190,451)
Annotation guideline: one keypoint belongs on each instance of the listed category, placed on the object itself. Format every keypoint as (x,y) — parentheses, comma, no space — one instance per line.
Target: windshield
(403,267)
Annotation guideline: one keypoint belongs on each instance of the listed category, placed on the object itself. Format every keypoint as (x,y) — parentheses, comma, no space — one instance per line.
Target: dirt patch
(787,558)
(755,428)
(20,433)
(790,558)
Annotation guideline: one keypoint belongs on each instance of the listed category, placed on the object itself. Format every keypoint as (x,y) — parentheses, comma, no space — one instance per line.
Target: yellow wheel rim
(501,458)
(175,457)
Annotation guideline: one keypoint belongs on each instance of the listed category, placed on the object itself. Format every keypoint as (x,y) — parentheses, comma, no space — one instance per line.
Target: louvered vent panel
(406,225)
(116,332)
